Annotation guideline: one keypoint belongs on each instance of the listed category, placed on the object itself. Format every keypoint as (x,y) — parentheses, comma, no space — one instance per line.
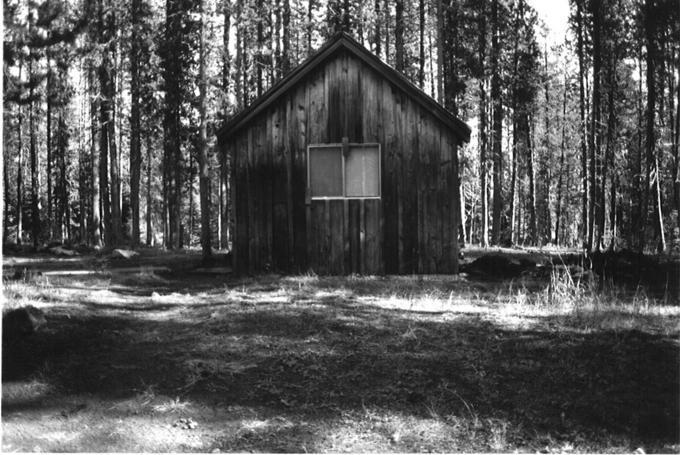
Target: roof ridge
(347,41)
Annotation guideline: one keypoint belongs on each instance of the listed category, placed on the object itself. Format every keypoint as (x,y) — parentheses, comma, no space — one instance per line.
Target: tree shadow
(340,356)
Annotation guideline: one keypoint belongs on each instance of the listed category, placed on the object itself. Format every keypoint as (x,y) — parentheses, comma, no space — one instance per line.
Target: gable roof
(344,41)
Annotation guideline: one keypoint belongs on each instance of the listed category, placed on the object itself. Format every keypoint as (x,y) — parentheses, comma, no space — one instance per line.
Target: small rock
(125,254)
(61,251)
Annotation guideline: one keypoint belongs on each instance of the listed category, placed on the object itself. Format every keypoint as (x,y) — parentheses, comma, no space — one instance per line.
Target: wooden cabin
(344,166)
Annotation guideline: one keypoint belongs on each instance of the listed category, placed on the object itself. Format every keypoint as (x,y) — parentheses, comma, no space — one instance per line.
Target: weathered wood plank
(280,190)
(372,244)
(298,136)
(390,104)
(410,179)
(354,235)
(337,237)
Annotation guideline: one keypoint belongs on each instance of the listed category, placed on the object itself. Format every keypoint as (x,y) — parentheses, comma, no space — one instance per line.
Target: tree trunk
(497,126)
(386,16)
(203,161)
(584,126)
(48,144)
(533,228)
(310,25)
(661,247)
(595,134)
(114,157)
(421,44)
(149,206)
(440,49)
(33,154)
(649,22)
(482,132)
(20,172)
(376,37)
(676,140)
(259,63)
(560,178)
(135,123)
(399,35)
(609,149)
(285,54)
(5,202)
(515,114)
(96,201)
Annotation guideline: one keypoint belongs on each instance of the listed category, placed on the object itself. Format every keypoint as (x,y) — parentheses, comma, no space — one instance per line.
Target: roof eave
(234,124)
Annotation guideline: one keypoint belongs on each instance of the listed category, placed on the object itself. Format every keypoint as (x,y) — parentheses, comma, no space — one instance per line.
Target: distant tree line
(110,110)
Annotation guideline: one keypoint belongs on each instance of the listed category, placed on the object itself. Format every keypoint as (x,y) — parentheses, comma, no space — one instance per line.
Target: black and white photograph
(340,226)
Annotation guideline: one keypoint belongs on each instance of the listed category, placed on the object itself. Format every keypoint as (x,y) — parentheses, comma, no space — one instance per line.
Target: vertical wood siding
(411,229)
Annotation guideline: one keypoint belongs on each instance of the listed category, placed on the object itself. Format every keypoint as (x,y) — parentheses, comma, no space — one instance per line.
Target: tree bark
(203,161)
(482,131)
(560,178)
(399,35)
(595,134)
(95,201)
(48,144)
(149,201)
(440,49)
(377,39)
(585,234)
(421,44)
(259,63)
(533,228)
(497,126)
(33,154)
(649,23)
(20,171)
(285,53)
(135,123)
(609,148)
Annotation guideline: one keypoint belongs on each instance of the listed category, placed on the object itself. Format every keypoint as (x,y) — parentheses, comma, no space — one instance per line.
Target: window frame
(341,146)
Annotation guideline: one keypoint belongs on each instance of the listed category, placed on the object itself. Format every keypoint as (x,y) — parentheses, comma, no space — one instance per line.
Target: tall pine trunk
(33,154)
(582,71)
(560,178)
(533,228)
(20,172)
(421,44)
(482,132)
(48,144)
(649,26)
(399,35)
(95,131)
(497,126)
(595,134)
(135,123)
(203,162)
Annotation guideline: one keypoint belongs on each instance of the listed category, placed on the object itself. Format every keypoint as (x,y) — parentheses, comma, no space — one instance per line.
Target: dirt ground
(156,353)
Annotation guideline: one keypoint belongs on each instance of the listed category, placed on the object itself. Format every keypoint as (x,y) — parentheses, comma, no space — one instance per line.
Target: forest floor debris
(130,362)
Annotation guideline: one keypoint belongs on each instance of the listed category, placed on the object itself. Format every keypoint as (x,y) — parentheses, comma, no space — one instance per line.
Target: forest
(111,108)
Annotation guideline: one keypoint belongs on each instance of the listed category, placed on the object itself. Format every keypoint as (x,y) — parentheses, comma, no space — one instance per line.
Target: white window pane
(325,171)
(362,171)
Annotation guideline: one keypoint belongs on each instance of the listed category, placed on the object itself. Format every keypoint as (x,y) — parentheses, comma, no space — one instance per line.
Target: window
(333,174)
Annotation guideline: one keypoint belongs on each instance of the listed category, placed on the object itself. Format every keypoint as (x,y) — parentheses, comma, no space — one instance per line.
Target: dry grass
(325,364)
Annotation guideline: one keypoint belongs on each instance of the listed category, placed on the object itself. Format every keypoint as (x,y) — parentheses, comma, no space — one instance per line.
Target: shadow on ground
(330,356)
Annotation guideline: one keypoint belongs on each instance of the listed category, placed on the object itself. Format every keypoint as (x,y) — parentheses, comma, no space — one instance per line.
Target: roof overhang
(342,41)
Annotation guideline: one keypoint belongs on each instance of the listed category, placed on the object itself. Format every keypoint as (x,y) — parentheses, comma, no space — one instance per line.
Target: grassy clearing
(307,363)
